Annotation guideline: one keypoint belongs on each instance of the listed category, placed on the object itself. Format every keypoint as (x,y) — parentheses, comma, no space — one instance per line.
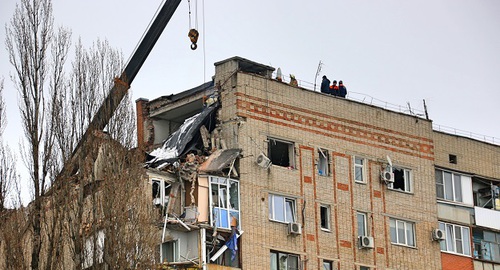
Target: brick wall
(267,108)
(456,262)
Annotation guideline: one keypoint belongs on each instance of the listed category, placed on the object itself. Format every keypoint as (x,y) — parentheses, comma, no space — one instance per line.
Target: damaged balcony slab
(219,160)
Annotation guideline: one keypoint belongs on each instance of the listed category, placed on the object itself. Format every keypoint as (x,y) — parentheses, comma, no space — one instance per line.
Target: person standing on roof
(342,90)
(334,89)
(325,85)
(293,81)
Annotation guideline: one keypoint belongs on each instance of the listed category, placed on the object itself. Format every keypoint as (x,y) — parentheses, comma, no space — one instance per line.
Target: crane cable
(193,34)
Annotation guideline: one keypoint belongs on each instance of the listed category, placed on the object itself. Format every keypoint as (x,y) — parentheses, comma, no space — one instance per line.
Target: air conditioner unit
(365,242)
(294,228)
(438,235)
(263,161)
(387,176)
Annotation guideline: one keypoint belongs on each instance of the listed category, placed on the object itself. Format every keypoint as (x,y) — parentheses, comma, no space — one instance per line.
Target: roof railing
(367,99)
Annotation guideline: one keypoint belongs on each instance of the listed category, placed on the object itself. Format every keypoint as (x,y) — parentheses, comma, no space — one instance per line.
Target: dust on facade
(250,172)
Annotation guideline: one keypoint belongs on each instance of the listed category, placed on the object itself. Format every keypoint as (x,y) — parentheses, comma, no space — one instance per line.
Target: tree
(38,53)
(80,190)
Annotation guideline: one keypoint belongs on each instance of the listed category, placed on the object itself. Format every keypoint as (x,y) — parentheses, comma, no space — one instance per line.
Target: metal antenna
(317,73)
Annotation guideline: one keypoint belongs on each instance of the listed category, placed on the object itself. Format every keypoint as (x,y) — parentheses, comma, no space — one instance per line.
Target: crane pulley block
(193,36)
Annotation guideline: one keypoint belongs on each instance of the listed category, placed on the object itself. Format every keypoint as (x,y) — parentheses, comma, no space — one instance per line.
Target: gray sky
(446,52)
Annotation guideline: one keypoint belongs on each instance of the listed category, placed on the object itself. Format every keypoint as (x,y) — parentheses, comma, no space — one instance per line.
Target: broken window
(457,239)
(160,192)
(169,252)
(281,153)
(325,217)
(225,202)
(93,245)
(280,260)
(327,265)
(402,180)
(486,245)
(362,224)
(281,208)
(359,170)
(323,162)
(402,232)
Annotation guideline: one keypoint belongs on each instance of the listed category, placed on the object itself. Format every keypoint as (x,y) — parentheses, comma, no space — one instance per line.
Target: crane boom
(122,84)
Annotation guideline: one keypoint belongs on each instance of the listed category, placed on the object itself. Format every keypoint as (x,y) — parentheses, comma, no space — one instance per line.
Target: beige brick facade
(265,109)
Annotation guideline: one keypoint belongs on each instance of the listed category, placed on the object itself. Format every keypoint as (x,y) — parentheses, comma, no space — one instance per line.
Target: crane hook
(193,36)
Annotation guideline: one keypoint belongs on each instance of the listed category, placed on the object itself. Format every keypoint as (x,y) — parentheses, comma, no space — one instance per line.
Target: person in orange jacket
(334,89)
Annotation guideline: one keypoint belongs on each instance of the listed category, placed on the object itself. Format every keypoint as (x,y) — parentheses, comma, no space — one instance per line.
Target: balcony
(487,218)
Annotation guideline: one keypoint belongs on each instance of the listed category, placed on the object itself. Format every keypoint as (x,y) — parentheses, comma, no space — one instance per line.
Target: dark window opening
(281,153)
(325,222)
(453,159)
(323,162)
(399,179)
(402,180)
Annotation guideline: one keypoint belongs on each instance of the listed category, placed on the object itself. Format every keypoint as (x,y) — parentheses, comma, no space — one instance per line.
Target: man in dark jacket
(325,85)
(342,89)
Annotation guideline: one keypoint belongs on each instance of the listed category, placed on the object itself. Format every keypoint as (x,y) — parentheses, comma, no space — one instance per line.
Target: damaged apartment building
(250,172)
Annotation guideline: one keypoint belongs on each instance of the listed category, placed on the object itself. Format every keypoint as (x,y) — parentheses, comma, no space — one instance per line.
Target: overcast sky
(446,52)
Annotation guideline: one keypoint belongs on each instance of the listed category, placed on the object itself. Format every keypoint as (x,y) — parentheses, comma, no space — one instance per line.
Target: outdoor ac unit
(387,176)
(365,242)
(263,161)
(294,228)
(438,235)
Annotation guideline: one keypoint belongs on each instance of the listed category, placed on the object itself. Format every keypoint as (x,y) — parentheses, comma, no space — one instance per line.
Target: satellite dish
(389,161)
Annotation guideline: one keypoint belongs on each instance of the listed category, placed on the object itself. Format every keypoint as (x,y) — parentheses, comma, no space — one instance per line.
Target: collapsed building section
(194,179)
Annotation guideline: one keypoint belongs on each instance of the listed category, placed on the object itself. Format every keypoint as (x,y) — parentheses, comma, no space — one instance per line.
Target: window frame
(286,201)
(324,165)
(328,220)
(453,197)
(365,223)
(224,205)
(278,254)
(176,251)
(405,223)
(451,238)
(329,264)
(407,178)
(361,167)
(163,186)
(290,150)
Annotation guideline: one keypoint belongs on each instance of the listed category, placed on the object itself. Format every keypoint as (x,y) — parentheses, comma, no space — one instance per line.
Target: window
(452,159)
(169,251)
(160,192)
(359,170)
(487,245)
(325,217)
(454,187)
(402,232)
(364,268)
(362,224)
(327,265)
(281,208)
(284,261)
(457,239)
(323,162)
(281,153)
(225,202)
(402,180)
(89,258)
